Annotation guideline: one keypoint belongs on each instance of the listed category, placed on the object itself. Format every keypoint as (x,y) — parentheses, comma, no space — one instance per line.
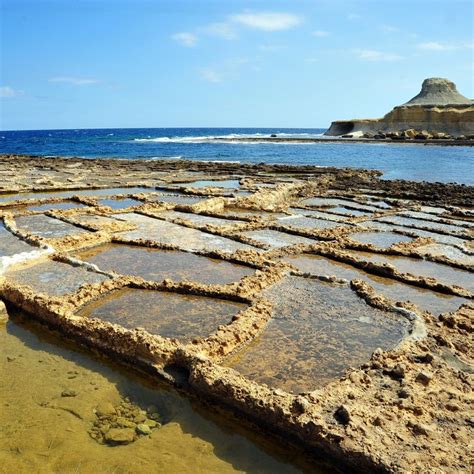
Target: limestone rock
(120,436)
(438,111)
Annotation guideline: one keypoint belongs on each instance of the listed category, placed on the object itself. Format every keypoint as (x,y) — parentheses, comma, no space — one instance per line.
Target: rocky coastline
(438,112)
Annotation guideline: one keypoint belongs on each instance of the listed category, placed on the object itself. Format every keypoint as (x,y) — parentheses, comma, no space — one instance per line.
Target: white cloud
(210,75)
(353,16)
(222,30)
(271,48)
(267,21)
(439,46)
(77,81)
(7,92)
(388,29)
(227,70)
(434,46)
(373,55)
(320,33)
(185,38)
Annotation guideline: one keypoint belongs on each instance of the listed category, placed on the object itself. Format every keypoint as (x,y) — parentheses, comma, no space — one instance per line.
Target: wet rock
(342,415)
(3,312)
(69,393)
(143,429)
(105,409)
(424,378)
(152,423)
(120,436)
(140,418)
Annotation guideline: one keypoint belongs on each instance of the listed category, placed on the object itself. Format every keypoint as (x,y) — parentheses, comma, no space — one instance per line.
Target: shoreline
(438,142)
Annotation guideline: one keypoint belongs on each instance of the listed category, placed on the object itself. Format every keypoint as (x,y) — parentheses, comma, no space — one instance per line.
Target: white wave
(220,161)
(154,158)
(226,138)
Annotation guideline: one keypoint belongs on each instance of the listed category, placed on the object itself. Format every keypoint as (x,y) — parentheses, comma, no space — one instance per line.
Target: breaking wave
(224,138)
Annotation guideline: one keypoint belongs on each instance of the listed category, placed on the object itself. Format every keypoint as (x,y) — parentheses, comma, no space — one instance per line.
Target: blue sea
(396,161)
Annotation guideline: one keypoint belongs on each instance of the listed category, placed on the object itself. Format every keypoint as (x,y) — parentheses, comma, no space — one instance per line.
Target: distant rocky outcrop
(439,111)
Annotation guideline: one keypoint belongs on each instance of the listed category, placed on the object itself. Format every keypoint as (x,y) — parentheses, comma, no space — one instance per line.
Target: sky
(223,63)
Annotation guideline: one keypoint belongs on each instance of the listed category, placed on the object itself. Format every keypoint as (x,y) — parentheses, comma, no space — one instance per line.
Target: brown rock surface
(438,108)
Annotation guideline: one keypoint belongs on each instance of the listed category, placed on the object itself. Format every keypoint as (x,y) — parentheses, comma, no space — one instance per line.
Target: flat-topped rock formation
(438,111)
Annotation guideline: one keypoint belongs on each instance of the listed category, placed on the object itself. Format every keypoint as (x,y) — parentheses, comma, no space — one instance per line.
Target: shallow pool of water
(318,214)
(10,244)
(54,278)
(418,223)
(77,192)
(443,273)
(154,264)
(275,238)
(200,219)
(447,251)
(302,222)
(169,233)
(120,203)
(441,238)
(172,315)
(47,227)
(49,206)
(179,199)
(379,239)
(428,300)
(43,432)
(349,212)
(318,330)
(228,183)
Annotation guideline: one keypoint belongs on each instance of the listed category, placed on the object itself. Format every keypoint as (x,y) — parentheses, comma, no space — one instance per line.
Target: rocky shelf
(341,319)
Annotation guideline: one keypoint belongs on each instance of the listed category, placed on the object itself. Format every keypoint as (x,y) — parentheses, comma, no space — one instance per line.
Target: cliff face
(439,107)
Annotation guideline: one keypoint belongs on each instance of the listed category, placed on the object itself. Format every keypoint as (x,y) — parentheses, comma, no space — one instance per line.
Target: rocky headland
(439,111)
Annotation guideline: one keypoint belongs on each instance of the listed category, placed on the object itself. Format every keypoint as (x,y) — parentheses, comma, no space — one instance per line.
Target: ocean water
(396,161)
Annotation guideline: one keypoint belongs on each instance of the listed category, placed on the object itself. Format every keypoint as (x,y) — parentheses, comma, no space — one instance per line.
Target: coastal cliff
(438,111)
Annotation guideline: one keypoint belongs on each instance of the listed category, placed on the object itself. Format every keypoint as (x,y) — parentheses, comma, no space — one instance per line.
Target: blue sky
(190,63)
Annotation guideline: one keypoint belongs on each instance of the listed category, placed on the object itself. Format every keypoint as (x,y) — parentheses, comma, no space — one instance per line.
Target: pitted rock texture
(407,408)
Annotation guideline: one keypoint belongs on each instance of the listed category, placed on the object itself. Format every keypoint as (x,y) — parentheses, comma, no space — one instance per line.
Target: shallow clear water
(432,301)
(318,214)
(154,264)
(274,238)
(119,203)
(173,315)
(77,192)
(47,227)
(379,239)
(169,233)
(10,244)
(229,183)
(56,205)
(42,432)
(178,199)
(443,273)
(447,251)
(419,223)
(397,161)
(310,223)
(318,331)
(200,219)
(54,278)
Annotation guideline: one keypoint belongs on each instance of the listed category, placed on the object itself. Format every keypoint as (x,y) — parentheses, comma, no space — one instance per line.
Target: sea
(446,164)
